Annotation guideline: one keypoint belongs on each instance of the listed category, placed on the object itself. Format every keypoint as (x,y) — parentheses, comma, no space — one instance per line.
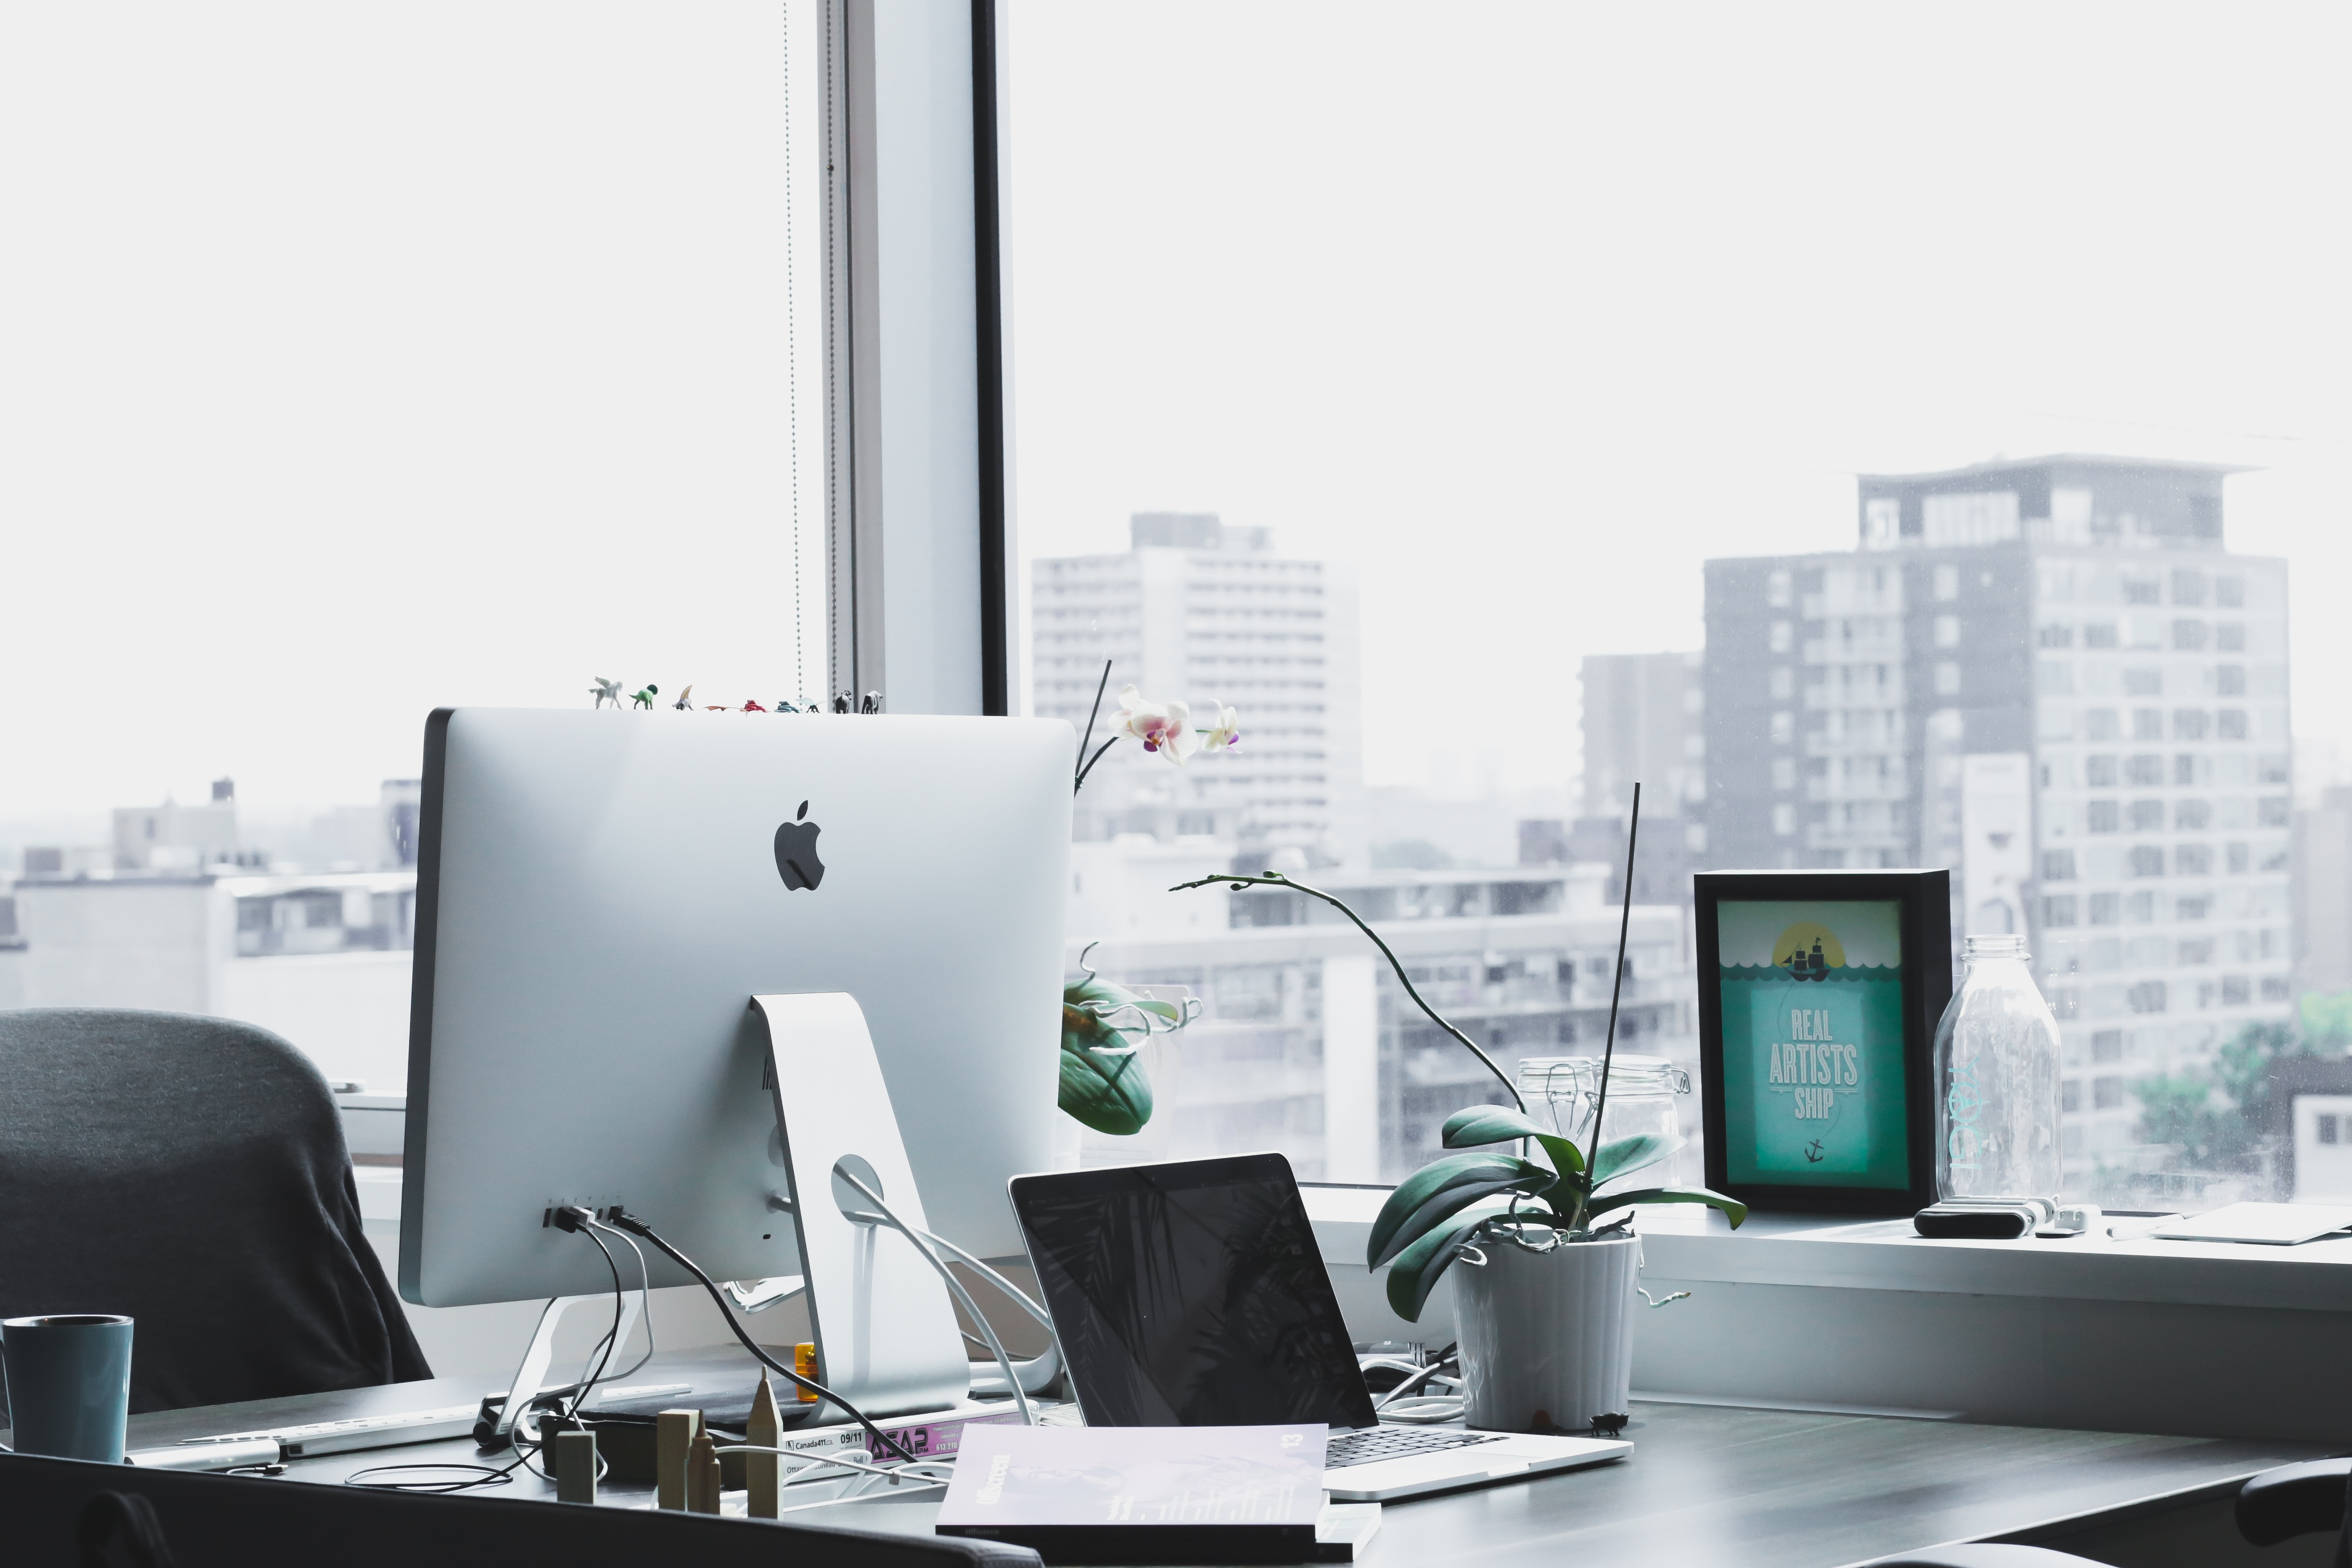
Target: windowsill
(1687,1242)
(2199,1339)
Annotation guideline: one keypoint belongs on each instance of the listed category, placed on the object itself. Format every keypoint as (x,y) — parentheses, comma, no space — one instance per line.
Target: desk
(1706,1485)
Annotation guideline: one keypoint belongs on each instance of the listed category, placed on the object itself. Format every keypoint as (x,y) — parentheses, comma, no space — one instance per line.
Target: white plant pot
(1547,1338)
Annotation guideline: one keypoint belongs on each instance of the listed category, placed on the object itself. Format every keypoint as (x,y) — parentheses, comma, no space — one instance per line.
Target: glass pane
(1499,413)
(360,361)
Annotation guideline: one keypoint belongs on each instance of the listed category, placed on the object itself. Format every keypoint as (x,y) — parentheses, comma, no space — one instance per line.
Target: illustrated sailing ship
(1804,965)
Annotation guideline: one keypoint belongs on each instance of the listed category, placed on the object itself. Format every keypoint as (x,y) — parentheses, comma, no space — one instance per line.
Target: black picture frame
(1924,920)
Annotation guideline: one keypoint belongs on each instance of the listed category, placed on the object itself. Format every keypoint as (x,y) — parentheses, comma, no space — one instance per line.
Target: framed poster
(1819,995)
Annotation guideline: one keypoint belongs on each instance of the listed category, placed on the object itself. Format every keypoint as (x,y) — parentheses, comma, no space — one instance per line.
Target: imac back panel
(599,896)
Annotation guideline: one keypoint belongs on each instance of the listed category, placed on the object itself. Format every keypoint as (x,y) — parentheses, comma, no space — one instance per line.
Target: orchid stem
(1088,739)
(1617,985)
(1236,880)
(1083,772)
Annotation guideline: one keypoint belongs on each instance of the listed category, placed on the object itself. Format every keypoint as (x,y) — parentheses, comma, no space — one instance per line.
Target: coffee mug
(69,1385)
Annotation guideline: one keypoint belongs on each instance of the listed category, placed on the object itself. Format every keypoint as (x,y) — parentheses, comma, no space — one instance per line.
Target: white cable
(1417,1376)
(1429,1409)
(812,1462)
(1003,1362)
(645,1299)
(1019,1296)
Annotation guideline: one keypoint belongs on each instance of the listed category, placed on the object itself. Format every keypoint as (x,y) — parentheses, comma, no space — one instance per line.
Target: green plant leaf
(1419,1266)
(1632,1155)
(1443,1188)
(1732,1209)
(1476,1124)
(1108,1093)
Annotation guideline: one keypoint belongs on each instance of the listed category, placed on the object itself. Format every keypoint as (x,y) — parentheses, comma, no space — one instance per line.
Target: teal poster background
(1812,997)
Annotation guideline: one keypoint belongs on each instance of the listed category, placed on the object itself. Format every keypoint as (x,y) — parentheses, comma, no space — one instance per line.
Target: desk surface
(1706,1484)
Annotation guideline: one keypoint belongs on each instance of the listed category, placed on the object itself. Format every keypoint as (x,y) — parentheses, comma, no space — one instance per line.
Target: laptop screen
(1192,1294)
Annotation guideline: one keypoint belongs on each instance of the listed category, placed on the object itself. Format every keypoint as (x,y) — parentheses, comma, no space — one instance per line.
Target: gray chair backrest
(190,1172)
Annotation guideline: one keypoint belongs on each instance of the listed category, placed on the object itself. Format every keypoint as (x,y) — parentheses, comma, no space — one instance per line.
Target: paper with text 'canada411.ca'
(1137,1474)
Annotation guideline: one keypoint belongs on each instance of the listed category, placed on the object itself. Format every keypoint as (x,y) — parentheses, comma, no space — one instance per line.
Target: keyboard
(1364,1447)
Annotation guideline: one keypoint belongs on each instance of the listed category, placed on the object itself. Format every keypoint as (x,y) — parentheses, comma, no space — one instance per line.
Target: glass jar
(1563,1093)
(1997,1096)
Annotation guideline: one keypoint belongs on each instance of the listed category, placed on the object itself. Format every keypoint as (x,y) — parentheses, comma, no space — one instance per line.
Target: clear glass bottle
(1563,1093)
(1997,1097)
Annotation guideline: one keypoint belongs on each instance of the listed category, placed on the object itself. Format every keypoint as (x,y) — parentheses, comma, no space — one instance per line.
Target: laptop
(1192,1294)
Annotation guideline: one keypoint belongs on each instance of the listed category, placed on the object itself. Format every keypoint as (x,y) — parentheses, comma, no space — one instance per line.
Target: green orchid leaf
(1419,1266)
(1732,1209)
(1110,1093)
(1476,1124)
(1632,1155)
(1443,1188)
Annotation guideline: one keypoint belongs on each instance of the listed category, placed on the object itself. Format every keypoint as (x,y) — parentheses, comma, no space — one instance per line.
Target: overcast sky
(1530,308)
(358,359)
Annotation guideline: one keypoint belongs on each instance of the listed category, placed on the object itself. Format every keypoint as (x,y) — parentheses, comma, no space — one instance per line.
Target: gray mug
(69,1385)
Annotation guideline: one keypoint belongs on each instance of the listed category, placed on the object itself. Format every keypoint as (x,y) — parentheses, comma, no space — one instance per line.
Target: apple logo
(796,859)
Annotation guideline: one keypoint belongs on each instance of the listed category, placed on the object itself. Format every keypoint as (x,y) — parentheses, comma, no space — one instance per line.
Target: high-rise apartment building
(2323,892)
(2052,676)
(1645,721)
(1200,612)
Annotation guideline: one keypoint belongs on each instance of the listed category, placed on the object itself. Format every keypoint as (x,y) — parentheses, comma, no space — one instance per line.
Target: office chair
(190,1172)
(2275,1505)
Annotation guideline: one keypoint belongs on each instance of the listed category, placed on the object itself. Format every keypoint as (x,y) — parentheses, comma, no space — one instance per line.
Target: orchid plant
(1459,1204)
(1166,728)
(1105,1027)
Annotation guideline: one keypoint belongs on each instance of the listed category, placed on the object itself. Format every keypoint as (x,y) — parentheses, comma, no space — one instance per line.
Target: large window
(360,360)
(1893,436)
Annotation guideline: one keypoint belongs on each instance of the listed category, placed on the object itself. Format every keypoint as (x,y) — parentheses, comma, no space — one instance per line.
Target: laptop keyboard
(1347,1448)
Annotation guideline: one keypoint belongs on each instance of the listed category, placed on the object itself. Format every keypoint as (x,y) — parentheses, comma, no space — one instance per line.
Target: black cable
(621,1220)
(524,1446)
(612,1340)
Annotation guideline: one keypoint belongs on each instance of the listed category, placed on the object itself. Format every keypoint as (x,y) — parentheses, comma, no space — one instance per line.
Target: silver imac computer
(600,897)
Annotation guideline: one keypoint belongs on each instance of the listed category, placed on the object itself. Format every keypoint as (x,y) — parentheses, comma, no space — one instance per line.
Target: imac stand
(495,1430)
(885,1329)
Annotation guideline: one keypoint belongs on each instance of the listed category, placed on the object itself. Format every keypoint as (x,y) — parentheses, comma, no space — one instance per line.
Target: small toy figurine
(606,691)
(751,707)
(644,699)
(841,702)
(784,707)
(872,704)
(685,703)
(714,708)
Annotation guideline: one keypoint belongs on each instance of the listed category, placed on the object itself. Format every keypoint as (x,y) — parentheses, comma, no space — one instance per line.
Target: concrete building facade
(2323,892)
(2053,678)
(1644,719)
(1199,612)
(322,960)
(1307,1044)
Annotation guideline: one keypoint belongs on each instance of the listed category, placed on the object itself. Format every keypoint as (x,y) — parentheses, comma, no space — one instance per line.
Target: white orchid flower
(1225,733)
(1164,728)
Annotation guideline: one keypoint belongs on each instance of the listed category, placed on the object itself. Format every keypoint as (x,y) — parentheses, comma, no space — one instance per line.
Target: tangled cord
(455,1476)
(1400,1403)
